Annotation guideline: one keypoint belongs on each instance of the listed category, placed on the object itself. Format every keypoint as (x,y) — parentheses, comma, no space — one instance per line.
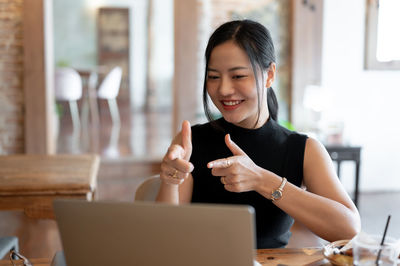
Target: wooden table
(32,182)
(292,256)
(280,256)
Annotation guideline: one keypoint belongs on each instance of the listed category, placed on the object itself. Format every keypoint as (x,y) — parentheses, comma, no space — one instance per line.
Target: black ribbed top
(271,147)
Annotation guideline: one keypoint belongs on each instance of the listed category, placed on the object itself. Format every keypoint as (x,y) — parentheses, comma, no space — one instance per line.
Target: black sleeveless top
(271,147)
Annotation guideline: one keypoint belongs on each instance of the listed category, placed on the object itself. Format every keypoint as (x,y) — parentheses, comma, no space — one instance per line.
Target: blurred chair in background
(109,89)
(68,87)
(148,189)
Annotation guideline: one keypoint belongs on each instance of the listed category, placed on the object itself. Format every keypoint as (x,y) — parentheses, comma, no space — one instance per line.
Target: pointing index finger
(187,139)
(220,163)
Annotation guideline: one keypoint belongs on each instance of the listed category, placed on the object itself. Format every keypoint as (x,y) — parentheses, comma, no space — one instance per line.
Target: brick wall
(11,77)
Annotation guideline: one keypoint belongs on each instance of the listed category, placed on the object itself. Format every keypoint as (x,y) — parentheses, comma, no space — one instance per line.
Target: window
(382,39)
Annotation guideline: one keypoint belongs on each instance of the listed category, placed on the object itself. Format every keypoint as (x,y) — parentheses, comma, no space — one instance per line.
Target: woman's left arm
(325,207)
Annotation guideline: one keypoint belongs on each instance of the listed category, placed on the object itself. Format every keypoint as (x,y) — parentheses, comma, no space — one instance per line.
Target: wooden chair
(148,189)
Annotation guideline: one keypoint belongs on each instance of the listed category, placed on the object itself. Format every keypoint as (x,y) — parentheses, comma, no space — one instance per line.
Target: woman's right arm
(176,179)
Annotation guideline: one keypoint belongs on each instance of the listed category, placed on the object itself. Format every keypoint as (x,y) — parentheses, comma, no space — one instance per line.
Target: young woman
(246,157)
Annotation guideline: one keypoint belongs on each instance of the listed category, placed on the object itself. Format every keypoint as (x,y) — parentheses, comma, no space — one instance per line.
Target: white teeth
(231,103)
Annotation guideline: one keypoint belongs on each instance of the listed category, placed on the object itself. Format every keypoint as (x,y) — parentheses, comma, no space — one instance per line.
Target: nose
(226,87)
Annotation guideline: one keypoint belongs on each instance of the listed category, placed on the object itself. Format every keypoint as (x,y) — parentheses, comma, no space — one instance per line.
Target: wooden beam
(38,78)
(187,68)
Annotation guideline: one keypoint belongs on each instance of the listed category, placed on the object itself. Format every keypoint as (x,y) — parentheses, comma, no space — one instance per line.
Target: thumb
(187,139)
(235,149)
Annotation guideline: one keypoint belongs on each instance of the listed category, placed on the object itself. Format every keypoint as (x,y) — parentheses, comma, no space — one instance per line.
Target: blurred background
(338,80)
(331,82)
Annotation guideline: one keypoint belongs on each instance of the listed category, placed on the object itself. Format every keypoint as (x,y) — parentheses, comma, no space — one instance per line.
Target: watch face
(276,194)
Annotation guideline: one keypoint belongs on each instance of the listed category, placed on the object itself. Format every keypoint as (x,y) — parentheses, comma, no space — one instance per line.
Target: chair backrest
(148,189)
(109,87)
(67,84)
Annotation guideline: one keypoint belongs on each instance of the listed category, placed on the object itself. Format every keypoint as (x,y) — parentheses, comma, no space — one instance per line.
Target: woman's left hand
(238,173)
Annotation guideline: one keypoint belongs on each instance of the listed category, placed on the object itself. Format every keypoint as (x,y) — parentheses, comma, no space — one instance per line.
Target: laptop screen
(147,234)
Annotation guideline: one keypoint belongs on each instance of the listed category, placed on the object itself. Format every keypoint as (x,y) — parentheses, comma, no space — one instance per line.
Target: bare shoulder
(314,146)
(317,163)
(315,151)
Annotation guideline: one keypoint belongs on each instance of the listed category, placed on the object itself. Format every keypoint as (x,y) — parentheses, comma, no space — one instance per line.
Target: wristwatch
(277,193)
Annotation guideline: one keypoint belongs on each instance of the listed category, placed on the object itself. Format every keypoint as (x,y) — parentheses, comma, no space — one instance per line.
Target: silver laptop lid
(151,234)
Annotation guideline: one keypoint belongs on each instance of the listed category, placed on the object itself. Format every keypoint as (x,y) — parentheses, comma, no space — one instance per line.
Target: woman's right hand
(175,166)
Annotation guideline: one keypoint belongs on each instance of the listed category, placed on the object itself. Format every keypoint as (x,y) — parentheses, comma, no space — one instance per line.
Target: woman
(246,157)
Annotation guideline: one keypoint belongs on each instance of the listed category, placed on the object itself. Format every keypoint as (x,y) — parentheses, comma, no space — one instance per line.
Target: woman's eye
(212,77)
(239,76)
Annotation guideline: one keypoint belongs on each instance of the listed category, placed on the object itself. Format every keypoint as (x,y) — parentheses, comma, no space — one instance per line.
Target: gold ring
(223,180)
(174,176)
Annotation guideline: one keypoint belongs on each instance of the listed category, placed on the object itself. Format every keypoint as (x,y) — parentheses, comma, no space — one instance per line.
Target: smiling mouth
(231,103)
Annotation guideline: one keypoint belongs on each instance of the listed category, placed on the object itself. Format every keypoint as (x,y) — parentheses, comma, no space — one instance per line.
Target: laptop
(154,234)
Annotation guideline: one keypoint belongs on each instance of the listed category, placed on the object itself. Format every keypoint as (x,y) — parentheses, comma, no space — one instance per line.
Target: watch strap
(280,189)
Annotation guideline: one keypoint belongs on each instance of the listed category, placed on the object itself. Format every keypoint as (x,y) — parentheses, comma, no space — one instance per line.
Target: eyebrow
(231,69)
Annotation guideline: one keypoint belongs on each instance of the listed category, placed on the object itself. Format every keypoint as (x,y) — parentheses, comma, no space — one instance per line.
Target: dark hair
(256,41)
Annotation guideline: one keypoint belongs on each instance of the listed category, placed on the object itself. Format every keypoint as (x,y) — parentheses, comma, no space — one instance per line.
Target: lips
(231,105)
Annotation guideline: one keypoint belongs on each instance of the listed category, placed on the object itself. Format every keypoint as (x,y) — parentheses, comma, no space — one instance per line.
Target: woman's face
(232,86)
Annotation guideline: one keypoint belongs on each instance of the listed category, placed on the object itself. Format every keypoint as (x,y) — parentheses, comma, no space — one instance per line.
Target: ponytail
(272,104)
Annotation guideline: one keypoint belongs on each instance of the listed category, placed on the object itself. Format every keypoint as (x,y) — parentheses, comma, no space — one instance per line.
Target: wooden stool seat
(32,182)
